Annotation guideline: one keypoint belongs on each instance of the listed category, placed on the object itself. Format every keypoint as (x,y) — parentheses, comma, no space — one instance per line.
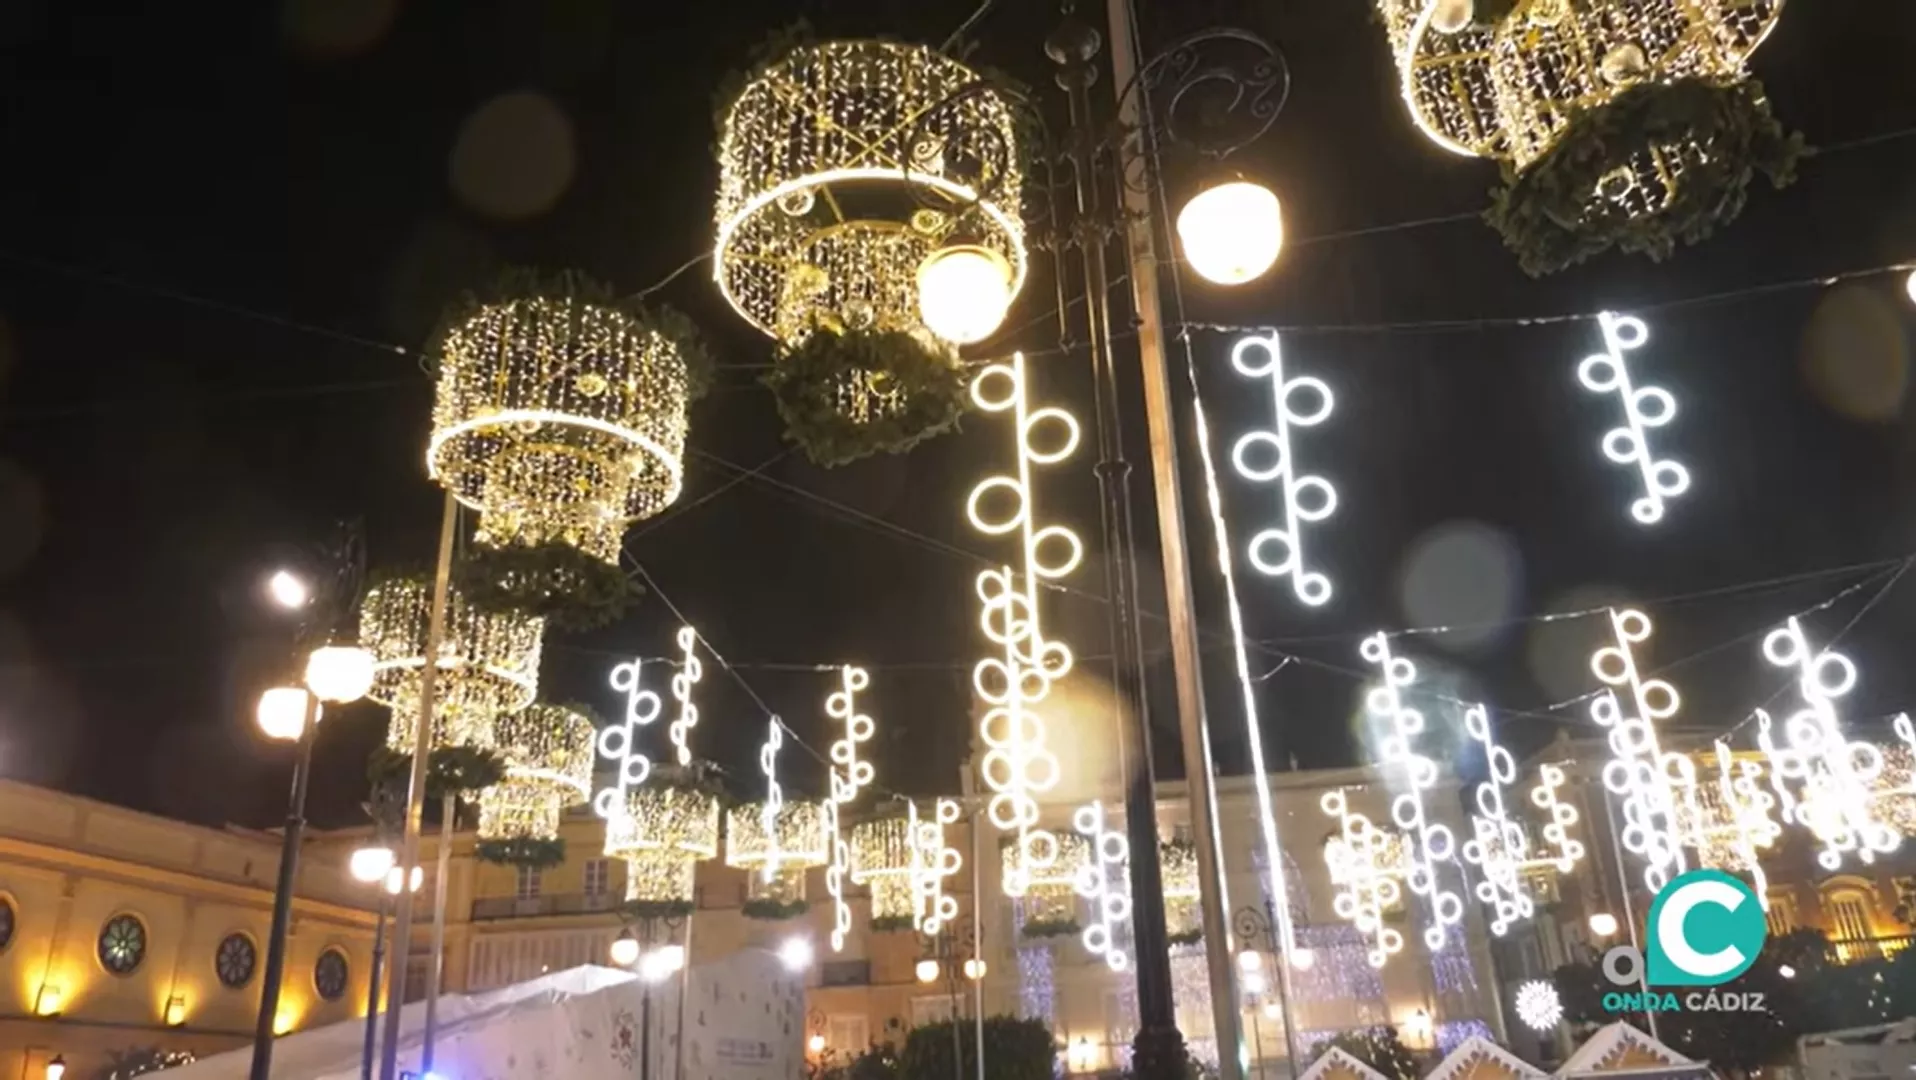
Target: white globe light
(927,970)
(287,590)
(1302,959)
(964,293)
(1538,1005)
(1450,16)
(1909,286)
(339,673)
(1232,232)
(1603,924)
(282,712)
(974,969)
(1249,961)
(816,1044)
(396,877)
(672,956)
(1254,982)
(370,864)
(625,951)
(795,954)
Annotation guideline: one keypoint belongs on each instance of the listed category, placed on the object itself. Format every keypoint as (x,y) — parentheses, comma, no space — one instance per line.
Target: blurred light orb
(1463,574)
(1232,233)
(370,864)
(1855,354)
(338,28)
(1450,16)
(514,157)
(396,879)
(795,954)
(288,590)
(927,971)
(1909,286)
(1603,924)
(1557,653)
(1303,959)
(975,969)
(282,713)
(964,292)
(625,950)
(339,673)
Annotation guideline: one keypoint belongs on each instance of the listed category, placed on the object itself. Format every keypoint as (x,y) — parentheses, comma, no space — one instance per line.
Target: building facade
(122,932)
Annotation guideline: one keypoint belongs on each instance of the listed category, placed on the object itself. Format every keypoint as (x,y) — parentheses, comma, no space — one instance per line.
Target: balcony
(1863,950)
(489,908)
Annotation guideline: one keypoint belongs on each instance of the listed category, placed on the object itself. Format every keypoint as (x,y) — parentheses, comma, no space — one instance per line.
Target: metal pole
(1159,1052)
(435,971)
(263,1033)
(416,795)
(977,932)
(685,991)
(372,987)
(645,1033)
(1181,610)
(1283,950)
(1629,912)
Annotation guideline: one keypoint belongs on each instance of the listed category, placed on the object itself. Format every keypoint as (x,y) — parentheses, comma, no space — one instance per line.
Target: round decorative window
(6,923)
(329,975)
(122,944)
(234,960)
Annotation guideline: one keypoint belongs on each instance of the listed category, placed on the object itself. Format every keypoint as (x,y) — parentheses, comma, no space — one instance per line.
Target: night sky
(220,219)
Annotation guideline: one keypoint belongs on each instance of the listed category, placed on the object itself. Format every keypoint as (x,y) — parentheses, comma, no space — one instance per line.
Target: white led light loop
(1497,845)
(1747,808)
(849,775)
(774,796)
(689,673)
(1266,457)
(1366,886)
(1430,844)
(1018,765)
(1658,788)
(1834,776)
(620,742)
(1643,408)
(1559,851)
(932,861)
(1102,880)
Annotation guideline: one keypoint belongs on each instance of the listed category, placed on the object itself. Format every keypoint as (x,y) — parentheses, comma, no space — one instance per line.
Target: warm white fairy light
(1018,766)
(774,795)
(1746,827)
(1497,845)
(1358,861)
(1835,777)
(932,861)
(849,775)
(1559,849)
(620,742)
(689,673)
(1102,880)
(1265,457)
(1431,844)
(1655,784)
(1644,408)
(1538,1005)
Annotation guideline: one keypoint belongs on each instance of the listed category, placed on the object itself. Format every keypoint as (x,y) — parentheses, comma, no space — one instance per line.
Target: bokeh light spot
(1558,651)
(1463,574)
(514,157)
(1855,355)
(338,28)
(23,522)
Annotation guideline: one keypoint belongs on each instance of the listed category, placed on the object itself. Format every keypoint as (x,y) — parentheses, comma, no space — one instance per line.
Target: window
(528,887)
(848,1034)
(233,961)
(933,1009)
(598,876)
(6,923)
(329,975)
(122,944)
(1849,925)
(1781,916)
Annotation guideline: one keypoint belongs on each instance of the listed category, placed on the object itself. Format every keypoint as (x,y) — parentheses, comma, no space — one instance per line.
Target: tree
(1015,1049)
(1378,1047)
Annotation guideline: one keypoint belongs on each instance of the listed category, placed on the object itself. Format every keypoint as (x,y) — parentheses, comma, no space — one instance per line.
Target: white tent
(1619,1050)
(1479,1057)
(1336,1064)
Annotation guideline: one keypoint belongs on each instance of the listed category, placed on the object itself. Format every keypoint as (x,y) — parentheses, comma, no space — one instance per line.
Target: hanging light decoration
(932,861)
(1018,765)
(1834,779)
(1895,800)
(882,862)
(619,743)
(849,775)
(1656,785)
(1104,881)
(1051,890)
(1644,408)
(663,833)
(1431,844)
(1619,122)
(1266,457)
(779,855)
(548,751)
(1498,846)
(488,662)
(689,673)
(1736,822)
(1559,851)
(1365,868)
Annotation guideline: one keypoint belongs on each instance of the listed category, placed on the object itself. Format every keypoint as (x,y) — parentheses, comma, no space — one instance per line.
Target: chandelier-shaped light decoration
(1431,844)
(932,861)
(1559,851)
(1018,765)
(1104,881)
(1834,778)
(619,743)
(1619,122)
(1266,457)
(691,670)
(1644,408)
(849,775)
(1365,868)
(663,832)
(778,856)
(1497,846)
(548,751)
(1657,786)
(1051,893)
(488,662)
(882,856)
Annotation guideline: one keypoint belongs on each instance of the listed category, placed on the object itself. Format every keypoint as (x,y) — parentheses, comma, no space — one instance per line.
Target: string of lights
(683,680)
(1103,879)
(1432,843)
(1644,408)
(1650,779)
(849,775)
(1497,844)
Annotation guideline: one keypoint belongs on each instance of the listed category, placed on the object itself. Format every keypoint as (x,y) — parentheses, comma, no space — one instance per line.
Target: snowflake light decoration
(1644,408)
(1655,784)
(1103,881)
(1360,866)
(1539,1006)
(1267,457)
(1431,844)
(849,775)
(1497,845)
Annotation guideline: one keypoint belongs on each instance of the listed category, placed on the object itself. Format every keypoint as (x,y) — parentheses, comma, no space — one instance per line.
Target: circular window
(234,960)
(329,975)
(122,944)
(6,923)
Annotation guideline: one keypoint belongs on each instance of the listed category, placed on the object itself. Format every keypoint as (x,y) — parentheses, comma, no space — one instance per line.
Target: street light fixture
(288,590)
(927,971)
(625,950)
(975,969)
(57,1068)
(370,864)
(396,877)
(964,292)
(1232,232)
(1603,924)
(282,713)
(795,954)
(339,673)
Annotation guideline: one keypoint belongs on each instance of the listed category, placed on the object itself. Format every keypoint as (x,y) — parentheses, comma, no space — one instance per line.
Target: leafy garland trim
(460,770)
(1184,937)
(927,382)
(655,909)
(773,910)
(523,851)
(886,923)
(1050,928)
(571,590)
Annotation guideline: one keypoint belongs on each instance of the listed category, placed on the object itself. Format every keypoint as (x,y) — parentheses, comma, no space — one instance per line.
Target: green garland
(884,924)
(522,851)
(928,381)
(773,910)
(767,54)
(460,770)
(1184,937)
(1545,212)
(655,909)
(1050,928)
(570,589)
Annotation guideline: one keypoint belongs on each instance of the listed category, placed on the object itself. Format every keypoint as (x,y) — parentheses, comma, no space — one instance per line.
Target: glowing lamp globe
(1232,232)
(370,864)
(975,969)
(1249,961)
(672,957)
(795,954)
(1603,924)
(964,292)
(1303,959)
(625,951)
(1909,286)
(927,971)
(396,880)
(339,673)
(282,712)
(816,1044)
(1450,16)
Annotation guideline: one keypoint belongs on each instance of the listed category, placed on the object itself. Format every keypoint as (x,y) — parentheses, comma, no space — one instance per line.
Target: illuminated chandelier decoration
(1895,800)
(1104,881)
(1834,779)
(1364,868)
(548,752)
(1658,787)
(1430,844)
(664,830)
(932,861)
(779,853)
(852,173)
(1625,123)
(1498,846)
(1018,766)
(488,662)
(882,861)
(1644,408)
(849,775)
(561,418)
(1265,457)
(1050,897)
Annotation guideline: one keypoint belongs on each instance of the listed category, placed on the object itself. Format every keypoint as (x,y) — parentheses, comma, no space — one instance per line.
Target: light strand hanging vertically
(1644,408)
(1497,845)
(1749,827)
(619,742)
(932,861)
(690,671)
(1655,785)
(1103,881)
(1305,499)
(774,795)
(1429,844)
(1559,850)
(1360,864)
(849,775)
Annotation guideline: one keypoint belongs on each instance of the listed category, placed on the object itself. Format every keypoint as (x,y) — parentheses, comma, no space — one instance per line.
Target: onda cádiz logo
(1705,929)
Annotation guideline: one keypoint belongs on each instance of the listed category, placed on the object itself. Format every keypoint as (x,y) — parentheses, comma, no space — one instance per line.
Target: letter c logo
(1706,928)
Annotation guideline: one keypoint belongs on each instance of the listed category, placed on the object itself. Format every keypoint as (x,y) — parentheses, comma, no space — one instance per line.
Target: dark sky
(304,170)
